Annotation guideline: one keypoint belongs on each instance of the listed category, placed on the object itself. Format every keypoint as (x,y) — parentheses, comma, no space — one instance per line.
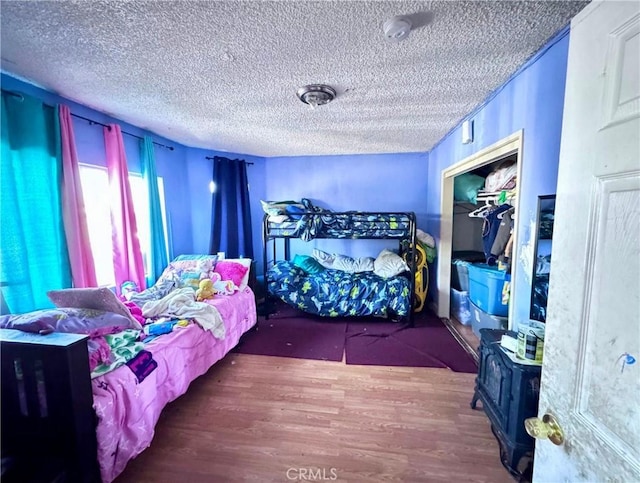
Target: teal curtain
(33,250)
(158,254)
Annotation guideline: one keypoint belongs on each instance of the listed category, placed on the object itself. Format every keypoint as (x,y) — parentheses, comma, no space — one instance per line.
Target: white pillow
(323,258)
(246,262)
(425,238)
(278,218)
(388,264)
(343,262)
(353,265)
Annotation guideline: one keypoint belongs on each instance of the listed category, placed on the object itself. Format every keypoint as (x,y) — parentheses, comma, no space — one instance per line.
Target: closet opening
(466,217)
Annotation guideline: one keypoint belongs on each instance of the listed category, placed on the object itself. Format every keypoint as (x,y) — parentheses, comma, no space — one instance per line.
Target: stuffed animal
(206,290)
(224,287)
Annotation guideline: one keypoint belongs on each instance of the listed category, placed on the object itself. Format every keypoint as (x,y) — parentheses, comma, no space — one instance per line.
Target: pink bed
(128,411)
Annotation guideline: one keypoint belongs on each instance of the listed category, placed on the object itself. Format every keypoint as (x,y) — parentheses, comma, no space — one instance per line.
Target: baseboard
(456,335)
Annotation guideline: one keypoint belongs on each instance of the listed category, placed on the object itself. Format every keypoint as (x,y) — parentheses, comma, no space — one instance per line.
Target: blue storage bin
(485,288)
(460,306)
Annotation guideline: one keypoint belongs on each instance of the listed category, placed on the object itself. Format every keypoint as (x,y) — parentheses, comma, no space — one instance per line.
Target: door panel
(608,389)
(593,320)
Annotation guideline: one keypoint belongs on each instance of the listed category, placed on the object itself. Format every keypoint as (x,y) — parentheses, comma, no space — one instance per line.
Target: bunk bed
(314,223)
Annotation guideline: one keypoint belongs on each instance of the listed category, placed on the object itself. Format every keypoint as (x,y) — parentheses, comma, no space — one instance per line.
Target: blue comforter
(334,293)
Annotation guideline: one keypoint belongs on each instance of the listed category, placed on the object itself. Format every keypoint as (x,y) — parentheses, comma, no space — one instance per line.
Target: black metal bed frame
(406,237)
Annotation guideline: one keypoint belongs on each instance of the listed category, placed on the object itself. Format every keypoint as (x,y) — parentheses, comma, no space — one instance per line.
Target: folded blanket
(181,304)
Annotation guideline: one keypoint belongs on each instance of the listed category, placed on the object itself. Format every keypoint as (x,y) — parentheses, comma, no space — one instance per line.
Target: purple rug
(428,344)
(292,333)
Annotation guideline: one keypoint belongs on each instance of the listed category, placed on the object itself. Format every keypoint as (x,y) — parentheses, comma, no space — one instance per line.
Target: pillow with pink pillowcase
(245,262)
(232,271)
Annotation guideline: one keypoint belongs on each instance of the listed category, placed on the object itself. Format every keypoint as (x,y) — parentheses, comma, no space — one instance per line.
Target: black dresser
(509,394)
(48,423)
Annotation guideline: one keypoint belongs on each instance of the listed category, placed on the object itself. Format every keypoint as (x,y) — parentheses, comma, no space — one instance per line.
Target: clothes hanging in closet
(502,237)
(490,229)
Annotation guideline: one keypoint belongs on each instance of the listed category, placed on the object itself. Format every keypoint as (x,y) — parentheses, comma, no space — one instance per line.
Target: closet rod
(91,121)
(211,158)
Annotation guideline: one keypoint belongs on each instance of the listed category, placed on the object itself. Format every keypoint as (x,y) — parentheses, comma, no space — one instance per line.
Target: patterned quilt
(328,224)
(334,293)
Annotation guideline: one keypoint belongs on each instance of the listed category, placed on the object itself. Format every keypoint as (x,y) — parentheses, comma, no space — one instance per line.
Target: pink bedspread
(128,410)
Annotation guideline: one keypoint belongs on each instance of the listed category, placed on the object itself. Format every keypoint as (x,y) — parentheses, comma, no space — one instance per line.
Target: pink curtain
(83,269)
(127,257)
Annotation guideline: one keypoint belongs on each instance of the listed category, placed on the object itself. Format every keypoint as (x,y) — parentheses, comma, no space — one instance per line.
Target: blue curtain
(33,249)
(158,243)
(231,210)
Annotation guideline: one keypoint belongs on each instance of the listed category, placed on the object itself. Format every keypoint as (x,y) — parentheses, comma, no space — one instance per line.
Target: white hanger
(480,212)
(510,210)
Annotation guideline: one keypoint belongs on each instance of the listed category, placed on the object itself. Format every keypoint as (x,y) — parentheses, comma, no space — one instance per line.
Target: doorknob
(544,428)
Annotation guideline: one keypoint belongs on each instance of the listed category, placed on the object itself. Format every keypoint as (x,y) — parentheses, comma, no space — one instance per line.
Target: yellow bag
(422,277)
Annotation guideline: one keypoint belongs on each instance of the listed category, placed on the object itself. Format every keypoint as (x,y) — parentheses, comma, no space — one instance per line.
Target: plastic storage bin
(460,275)
(485,288)
(482,320)
(460,306)
(460,260)
(468,255)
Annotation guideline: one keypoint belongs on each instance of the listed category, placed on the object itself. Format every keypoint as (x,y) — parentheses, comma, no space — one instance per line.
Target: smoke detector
(316,94)
(397,29)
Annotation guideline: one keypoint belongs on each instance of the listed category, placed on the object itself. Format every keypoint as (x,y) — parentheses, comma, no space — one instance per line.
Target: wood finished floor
(252,418)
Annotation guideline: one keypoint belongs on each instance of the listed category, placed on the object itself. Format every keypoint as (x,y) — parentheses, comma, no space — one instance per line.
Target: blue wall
(185,170)
(380,182)
(531,100)
(170,165)
(373,182)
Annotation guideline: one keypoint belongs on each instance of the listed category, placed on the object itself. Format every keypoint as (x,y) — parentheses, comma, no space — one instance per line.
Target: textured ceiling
(223,75)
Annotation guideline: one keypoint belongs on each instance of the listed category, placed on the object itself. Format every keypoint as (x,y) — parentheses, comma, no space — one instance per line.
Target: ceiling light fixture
(397,29)
(316,94)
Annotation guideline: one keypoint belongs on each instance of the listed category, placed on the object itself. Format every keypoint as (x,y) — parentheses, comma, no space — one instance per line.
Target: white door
(590,382)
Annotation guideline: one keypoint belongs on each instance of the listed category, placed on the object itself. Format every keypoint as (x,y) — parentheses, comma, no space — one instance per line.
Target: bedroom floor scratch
(270,419)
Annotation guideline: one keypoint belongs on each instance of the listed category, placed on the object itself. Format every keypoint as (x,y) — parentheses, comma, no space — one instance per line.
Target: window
(95,186)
